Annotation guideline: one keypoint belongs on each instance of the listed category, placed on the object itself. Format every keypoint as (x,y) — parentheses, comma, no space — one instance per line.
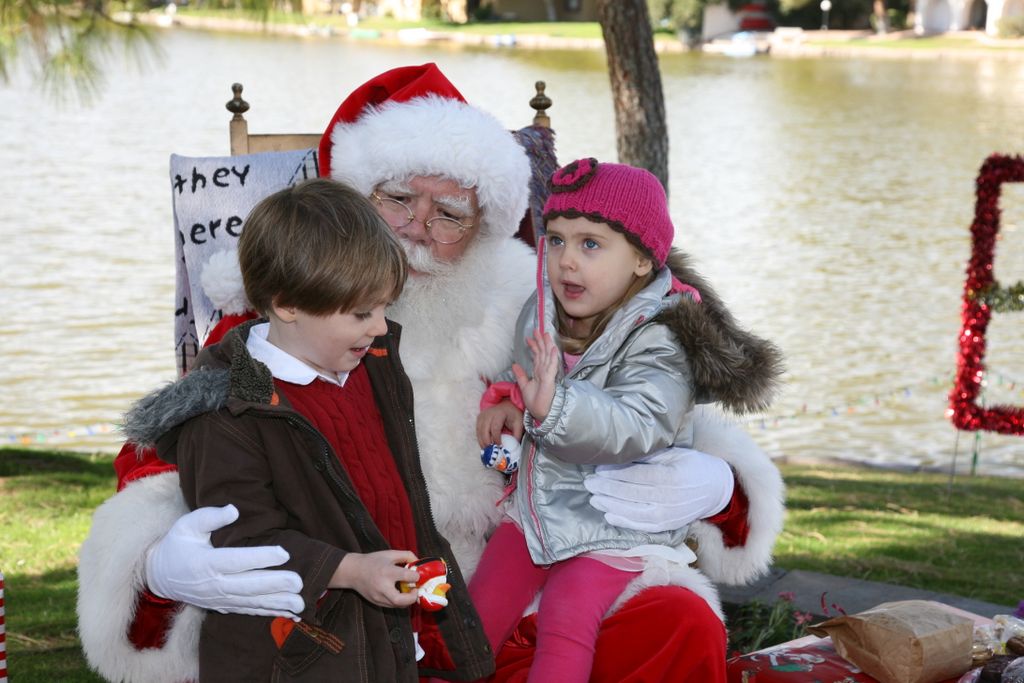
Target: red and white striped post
(3,636)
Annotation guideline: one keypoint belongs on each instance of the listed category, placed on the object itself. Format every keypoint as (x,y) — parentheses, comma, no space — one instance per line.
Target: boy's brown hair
(321,247)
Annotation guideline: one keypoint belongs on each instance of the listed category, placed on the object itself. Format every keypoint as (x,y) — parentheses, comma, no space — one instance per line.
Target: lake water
(829,200)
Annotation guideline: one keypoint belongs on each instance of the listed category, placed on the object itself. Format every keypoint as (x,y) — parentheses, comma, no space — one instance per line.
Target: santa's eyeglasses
(442,229)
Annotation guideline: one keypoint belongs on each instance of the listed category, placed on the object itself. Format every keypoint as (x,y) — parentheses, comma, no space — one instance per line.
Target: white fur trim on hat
(435,136)
(221,281)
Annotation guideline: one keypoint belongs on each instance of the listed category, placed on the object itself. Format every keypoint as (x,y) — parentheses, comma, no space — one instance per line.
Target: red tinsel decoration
(963,408)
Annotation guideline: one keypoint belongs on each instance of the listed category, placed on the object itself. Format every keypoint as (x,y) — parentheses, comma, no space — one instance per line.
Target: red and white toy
(432,586)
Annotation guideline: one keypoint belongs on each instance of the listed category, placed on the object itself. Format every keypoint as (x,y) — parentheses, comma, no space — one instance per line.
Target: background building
(938,16)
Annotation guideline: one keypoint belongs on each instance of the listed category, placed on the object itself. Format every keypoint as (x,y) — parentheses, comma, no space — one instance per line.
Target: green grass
(46,504)
(558,29)
(279,17)
(909,529)
(572,29)
(588,29)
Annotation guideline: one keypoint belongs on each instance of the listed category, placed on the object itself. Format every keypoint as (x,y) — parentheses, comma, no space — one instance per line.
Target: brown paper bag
(912,641)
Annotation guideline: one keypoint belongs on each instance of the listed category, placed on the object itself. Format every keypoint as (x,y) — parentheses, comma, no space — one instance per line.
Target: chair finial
(236,105)
(541,102)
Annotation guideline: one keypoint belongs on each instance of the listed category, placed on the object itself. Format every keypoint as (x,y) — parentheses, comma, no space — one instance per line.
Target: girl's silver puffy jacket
(630,395)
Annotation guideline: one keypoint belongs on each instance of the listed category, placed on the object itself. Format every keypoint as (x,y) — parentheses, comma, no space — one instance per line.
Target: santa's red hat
(412,121)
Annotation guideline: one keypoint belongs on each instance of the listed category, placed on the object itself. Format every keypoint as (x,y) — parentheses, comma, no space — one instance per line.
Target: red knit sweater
(349,419)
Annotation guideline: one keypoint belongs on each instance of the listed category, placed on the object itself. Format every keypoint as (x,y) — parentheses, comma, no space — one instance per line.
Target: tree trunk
(641,134)
(881,16)
(549,5)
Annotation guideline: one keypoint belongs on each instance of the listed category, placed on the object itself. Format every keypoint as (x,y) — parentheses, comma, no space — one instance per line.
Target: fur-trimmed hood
(730,364)
(222,372)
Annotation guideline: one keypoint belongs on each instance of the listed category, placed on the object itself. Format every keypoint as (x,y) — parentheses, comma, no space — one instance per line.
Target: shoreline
(867,44)
(962,471)
(791,43)
(404,36)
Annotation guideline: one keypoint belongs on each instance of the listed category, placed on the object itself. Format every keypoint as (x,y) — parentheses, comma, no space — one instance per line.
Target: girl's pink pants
(577,594)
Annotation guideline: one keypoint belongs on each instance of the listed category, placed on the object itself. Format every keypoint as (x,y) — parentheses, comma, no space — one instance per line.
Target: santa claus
(408,140)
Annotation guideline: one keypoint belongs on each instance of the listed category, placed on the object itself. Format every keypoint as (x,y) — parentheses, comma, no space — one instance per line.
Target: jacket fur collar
(223,371)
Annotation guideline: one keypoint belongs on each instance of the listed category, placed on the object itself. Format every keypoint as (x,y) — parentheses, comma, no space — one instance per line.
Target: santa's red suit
(457,331)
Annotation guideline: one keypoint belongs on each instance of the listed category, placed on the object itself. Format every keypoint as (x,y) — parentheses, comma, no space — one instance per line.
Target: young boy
(303,421)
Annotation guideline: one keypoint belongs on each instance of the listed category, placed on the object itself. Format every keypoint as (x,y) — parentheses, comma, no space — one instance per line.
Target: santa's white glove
(665,491)
(184,567)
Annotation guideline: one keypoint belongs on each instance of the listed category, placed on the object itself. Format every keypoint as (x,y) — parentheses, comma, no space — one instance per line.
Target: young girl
(638,345)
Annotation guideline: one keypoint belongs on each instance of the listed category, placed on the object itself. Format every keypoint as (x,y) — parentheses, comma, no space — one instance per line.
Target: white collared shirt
(283,365)
(288,368)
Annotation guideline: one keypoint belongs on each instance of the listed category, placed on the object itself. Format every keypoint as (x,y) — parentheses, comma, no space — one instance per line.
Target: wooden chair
(244,142)
(537,138)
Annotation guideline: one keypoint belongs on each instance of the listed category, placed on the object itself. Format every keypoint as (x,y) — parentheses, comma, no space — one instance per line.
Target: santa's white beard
(451,340)
(439,300)
(422,260)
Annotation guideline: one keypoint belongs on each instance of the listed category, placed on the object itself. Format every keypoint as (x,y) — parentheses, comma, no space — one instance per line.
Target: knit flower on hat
(573,176)
(629,199)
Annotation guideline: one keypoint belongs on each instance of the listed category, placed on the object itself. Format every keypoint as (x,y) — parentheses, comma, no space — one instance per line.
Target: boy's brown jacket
(224,422)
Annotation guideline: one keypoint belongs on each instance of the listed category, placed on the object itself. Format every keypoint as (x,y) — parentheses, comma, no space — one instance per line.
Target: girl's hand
(539,390)
(491,422)
(375,576)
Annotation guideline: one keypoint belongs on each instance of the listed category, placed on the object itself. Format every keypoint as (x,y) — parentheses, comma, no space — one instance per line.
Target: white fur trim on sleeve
(716,435)
(761,481)
(111,575)
(221,280)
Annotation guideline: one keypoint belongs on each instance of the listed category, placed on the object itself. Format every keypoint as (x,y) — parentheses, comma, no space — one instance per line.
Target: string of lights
(875,400)
(56,435)
(861,404)
(866,402)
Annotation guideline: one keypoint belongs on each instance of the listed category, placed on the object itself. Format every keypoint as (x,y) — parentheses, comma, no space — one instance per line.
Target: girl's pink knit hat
(627,198)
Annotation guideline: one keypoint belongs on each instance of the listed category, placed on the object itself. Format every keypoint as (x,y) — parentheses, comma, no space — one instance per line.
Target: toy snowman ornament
(504,456)
(432,586)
